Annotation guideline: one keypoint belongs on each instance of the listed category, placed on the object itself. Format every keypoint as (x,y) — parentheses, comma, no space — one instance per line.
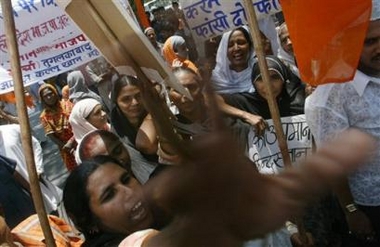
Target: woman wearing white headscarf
(232,74)
(87,115)
(226,79)
(285,49)
(234,61)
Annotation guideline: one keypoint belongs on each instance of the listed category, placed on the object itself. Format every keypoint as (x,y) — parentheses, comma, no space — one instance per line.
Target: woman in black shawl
(287,88)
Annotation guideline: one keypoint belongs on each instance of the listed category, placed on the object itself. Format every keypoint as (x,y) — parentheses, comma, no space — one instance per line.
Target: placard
(209,18)
(49,43)
(265,152)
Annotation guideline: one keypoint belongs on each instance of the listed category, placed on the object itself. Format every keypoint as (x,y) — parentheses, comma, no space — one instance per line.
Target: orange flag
(144,22)
(327,37)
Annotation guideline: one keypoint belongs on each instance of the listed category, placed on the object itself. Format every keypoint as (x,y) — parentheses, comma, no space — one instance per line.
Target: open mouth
(138,212)
(238,56)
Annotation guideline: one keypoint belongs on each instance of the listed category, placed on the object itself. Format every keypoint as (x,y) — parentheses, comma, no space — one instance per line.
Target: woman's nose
(134,101)
(378,46)
(127,192)
(288,41)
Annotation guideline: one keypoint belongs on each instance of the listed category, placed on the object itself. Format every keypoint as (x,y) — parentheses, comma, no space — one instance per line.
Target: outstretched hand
(219,199)
(257,121)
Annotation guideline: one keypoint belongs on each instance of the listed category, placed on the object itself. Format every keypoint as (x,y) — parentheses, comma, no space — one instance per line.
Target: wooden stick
(255,33)
(256,38)
(26,139)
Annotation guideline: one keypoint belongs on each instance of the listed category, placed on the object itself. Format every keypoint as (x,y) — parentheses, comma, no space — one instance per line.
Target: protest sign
(209,18)
(264,151)
(49,43)
(121,41)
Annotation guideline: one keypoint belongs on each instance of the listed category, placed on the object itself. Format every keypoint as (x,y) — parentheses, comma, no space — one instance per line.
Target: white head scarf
(78,121)
(225,80)
(286,58)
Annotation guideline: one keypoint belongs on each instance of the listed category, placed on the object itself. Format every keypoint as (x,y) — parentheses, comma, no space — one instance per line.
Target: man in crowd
(335,107)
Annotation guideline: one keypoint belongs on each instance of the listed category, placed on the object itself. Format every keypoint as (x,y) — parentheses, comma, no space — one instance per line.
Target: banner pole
(273,107)
(26,139)
(256,38)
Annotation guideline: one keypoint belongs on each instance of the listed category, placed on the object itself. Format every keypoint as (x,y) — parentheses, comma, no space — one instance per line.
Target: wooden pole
(256,38)
(26,139)
(259,49)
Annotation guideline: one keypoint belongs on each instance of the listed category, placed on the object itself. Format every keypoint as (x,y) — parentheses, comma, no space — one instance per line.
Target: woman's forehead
(47,90)
(106,174)
(186,78)
(129,89)
(236,33)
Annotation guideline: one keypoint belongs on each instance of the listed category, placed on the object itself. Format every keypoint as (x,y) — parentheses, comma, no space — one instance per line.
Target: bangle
(351,207)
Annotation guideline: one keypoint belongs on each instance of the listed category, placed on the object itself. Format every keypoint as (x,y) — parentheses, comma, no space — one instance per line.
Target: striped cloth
(29,233)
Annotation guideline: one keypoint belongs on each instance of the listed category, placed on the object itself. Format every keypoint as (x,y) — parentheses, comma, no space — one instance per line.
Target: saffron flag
(327,37)
(144,22)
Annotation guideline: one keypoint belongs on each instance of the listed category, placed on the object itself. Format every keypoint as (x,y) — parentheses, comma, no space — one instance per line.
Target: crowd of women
(131,184)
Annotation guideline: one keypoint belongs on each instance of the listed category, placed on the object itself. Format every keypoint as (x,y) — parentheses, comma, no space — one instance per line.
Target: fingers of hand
(261,126)
(350,148)
(343,155)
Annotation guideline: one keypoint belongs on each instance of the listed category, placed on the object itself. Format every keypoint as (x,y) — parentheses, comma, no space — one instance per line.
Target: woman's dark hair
(75,197)
(119,121)
(122,81)
(246,34)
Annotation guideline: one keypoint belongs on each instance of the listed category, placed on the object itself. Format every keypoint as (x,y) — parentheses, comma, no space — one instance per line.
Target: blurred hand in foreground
(219,199)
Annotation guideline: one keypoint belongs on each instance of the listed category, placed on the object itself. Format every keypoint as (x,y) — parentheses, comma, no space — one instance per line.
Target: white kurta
(10,146)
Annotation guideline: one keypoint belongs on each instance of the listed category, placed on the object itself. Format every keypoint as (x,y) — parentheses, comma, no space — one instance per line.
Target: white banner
(264,150)
(209,18)
(49,43)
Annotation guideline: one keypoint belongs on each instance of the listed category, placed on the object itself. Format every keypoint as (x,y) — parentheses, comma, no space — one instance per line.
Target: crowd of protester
(130,184)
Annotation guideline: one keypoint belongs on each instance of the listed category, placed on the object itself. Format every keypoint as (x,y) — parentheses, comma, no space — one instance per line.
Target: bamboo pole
(26,139)
(255,33)
(259,49)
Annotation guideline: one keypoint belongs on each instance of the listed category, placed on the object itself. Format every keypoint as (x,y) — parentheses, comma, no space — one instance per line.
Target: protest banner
(209,18)
(26,138)
(264,150)
(49,43)
(116,34)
